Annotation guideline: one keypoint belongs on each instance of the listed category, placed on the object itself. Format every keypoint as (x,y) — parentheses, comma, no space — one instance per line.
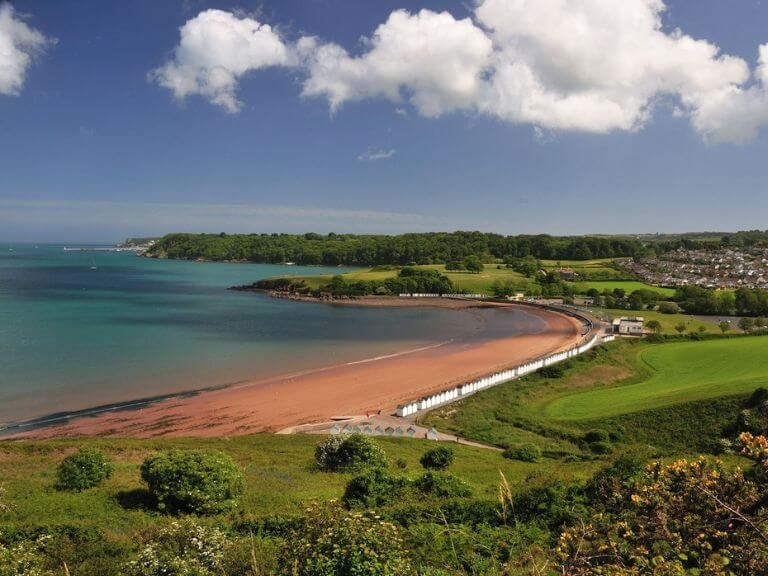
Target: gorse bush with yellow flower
(687,517)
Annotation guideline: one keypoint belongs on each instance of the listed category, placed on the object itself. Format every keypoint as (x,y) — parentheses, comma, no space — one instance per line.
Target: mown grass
(669,322)
(678,372)
(481,283)
(677,397)
(628,286)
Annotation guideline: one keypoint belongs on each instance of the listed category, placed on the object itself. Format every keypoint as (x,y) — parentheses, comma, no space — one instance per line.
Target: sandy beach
(316,395)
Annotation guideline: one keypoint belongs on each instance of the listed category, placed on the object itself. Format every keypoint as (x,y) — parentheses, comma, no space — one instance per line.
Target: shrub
(199,481)
(5,507)
(181,549)
(601,447)
(669,308)
(758,398)
(332,542)
(674,518)
(84,469)
(597,436)
(349,453)
(523,452)
(374,488)
(554,370)
(438,458)
(442,485)
(24,558)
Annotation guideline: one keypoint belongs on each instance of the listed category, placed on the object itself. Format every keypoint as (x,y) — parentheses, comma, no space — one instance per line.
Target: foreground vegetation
(591,453)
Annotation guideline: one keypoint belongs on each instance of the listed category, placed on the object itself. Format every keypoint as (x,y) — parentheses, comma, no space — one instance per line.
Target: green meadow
(668,322)
(676,373)
(467,281)
(280,476)
(628,286)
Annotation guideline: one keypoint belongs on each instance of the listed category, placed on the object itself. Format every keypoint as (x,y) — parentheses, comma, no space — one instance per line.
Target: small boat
(93,264)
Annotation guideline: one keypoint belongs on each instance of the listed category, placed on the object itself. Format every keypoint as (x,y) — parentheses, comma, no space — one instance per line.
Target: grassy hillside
(677,373)
(280,475)
(645,393)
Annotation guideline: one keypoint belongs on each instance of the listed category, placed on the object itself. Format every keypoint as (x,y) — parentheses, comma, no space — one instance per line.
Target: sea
(84,327)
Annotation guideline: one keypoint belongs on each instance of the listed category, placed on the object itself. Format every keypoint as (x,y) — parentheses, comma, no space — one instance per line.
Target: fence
(464,390)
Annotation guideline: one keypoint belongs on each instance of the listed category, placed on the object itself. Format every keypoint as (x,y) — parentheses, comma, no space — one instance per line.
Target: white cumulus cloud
(584,65)
(596,65)
(431,59)
(19,44)
(216,49)
(736,114)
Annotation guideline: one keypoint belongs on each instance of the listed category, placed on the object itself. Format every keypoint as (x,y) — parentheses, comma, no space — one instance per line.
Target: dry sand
(318,395)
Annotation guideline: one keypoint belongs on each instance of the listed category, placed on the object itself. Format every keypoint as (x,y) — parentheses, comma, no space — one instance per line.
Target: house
(629,326)
(568,274)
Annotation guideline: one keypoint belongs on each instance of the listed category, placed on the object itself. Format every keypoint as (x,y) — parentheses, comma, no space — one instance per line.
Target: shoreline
(271,404)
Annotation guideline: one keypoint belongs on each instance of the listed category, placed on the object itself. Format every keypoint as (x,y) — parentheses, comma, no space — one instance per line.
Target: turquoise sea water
(73,337)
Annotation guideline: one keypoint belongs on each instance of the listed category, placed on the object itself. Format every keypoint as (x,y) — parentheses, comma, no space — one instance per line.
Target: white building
(629,326)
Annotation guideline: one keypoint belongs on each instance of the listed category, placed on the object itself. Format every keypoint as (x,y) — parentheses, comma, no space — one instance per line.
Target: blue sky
(91,148)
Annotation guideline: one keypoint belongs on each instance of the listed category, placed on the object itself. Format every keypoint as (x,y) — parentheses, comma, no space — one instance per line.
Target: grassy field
(678,372)
(628,286)
(279,472)
(667,321)
(466,281)
(600,269)
(648,393)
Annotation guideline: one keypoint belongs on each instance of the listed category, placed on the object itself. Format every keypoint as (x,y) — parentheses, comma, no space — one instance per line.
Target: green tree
(681,327)
(654,326)
(724,326)
(474,264)
(746,324)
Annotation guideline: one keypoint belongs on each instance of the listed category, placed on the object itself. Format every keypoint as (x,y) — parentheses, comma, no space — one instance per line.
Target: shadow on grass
(137,499)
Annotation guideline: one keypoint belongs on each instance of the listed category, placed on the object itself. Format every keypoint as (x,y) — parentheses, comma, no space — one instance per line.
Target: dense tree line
(408,281)
(421,248)
(742,302)
(742,239)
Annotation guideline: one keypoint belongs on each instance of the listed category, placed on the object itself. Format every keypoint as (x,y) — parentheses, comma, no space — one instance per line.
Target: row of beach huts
(464,390)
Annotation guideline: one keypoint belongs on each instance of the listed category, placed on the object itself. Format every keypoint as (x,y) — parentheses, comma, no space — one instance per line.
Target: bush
(24,558)
(601,447)
(374,488)
(437,458)
(669,308)
(758,398)
(332,542)
(204,482)
(442,486)
(553,371)
(523,453)
(184,549)
(84,469)
(349,453)
(597,436)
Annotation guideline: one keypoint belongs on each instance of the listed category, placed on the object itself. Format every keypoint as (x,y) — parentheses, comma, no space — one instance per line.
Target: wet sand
(317,395)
